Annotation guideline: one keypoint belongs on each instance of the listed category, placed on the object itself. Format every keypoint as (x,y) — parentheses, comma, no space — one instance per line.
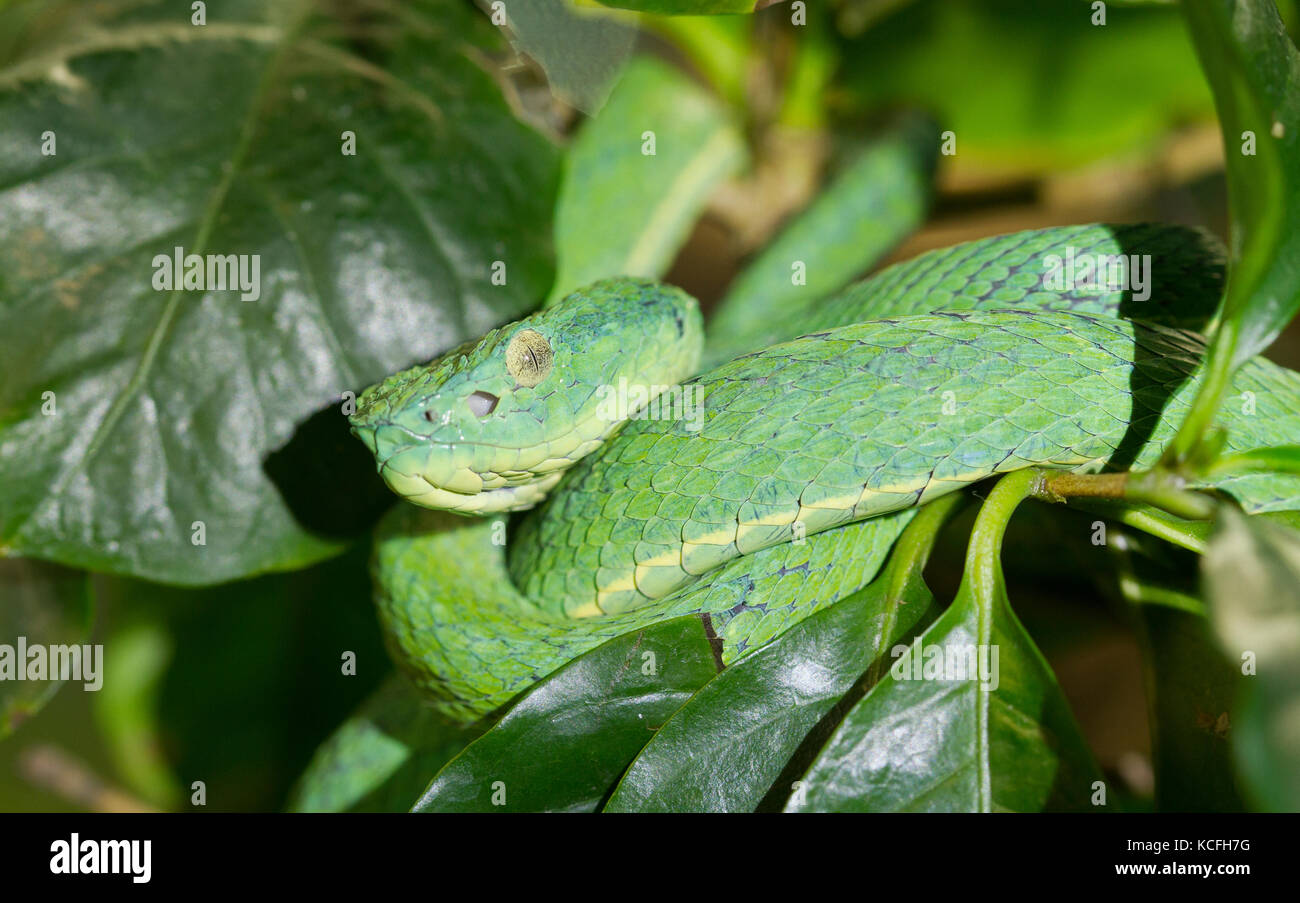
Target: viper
(809,437)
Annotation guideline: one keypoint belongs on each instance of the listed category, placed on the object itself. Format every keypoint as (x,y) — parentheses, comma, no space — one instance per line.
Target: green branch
(1158,488)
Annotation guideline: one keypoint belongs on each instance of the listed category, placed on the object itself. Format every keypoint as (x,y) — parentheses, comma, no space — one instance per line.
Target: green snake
(774,483)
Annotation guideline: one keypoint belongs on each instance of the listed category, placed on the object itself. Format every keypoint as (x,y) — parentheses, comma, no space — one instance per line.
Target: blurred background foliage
(236,685)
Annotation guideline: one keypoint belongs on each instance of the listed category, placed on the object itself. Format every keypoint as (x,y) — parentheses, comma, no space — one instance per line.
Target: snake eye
(529,357)
(482,403)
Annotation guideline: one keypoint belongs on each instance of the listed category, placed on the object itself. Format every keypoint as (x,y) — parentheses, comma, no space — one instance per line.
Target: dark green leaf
(969,719)
(727,747)
(131,415)
(936,745)
(624,210)
(566,741)
(1252,581)
(46,605)
(380,758)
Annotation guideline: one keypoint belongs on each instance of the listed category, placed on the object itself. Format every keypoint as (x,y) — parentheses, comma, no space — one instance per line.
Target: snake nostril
(482,403)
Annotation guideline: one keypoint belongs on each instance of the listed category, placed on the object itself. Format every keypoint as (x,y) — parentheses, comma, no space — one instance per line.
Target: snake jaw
(418,490)
(492,425)
(434,475)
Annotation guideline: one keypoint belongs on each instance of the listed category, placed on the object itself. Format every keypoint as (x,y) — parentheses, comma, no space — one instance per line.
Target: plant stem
(1158,488)
(1219,365)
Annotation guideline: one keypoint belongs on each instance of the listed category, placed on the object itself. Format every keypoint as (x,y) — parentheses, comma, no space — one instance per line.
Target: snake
(601,465)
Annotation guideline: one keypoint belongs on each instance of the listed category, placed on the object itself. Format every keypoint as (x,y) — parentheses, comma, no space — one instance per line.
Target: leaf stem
(982,586)
(983,553)
(1218,368)
(908,559)
(1186,534)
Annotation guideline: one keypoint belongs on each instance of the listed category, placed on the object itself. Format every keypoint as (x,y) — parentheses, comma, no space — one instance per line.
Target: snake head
(493,425)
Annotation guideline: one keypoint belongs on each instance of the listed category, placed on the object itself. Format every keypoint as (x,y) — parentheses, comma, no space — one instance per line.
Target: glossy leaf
(566,741)
(727,747)
(1252,581)
(136,416)
(46,605)
(996,736)
(934,745)
(638,175)
(381,757)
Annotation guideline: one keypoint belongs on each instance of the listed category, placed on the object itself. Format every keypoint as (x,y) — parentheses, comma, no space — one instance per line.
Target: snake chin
(417,489)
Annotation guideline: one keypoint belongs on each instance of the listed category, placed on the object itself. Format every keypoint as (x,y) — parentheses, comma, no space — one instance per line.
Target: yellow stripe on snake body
(851,423)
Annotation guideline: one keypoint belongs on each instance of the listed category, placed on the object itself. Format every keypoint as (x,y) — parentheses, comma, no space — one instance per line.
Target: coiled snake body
(777,482)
